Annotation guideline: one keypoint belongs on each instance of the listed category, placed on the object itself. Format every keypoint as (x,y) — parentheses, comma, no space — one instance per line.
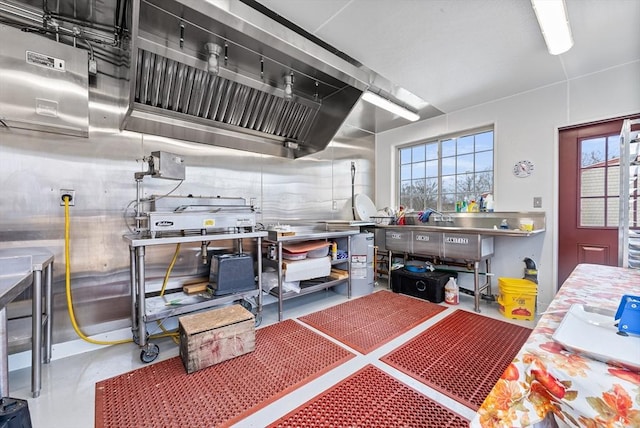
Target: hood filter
(175,87)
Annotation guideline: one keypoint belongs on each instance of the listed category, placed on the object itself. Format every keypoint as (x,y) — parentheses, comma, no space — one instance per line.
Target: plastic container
(517,299)
(451,292)
(526,225)
(489,203)
(318,252)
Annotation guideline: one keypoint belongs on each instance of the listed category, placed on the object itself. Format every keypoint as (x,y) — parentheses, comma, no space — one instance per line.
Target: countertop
(456,229)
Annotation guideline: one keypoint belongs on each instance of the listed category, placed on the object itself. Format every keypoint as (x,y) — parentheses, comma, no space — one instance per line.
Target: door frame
(556,180)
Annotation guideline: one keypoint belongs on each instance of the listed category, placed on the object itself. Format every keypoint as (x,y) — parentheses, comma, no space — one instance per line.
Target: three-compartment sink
(466,246)
(467,236)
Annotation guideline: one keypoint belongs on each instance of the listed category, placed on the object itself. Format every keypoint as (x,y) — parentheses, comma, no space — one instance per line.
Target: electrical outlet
(537,202)
(334,205)
(71,194)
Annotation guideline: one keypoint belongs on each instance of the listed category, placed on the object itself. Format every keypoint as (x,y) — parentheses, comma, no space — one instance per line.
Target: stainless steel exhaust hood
(216,73)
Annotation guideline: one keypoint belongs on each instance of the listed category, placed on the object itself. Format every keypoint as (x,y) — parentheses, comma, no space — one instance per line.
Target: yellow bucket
(517,299)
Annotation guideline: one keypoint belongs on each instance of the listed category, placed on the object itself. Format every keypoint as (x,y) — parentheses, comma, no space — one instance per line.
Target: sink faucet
(440,217)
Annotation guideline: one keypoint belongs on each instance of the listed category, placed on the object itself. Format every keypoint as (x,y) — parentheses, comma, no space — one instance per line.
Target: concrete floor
(67,398)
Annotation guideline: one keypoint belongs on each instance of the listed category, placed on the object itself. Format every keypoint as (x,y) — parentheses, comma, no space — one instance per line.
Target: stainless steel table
(312,236)
(139,313)
(39,276)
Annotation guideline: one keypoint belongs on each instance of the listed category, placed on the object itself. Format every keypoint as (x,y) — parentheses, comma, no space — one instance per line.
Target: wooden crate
(210,337)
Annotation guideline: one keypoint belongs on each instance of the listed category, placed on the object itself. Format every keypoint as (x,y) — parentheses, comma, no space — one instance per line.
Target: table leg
(280,281)
(476,287)
(36,334)
(259,258)
(142,328)
(349,267)
(133,281)
(389,262)
(48,311)
(4,356)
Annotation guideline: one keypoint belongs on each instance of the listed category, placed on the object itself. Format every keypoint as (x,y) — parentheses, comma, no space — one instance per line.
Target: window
(436,174)
(600,181)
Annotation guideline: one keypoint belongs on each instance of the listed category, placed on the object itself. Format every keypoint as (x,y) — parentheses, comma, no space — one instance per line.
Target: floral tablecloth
(547,385)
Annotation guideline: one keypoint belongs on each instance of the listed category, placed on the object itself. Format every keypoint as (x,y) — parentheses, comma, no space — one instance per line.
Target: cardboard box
(210,337)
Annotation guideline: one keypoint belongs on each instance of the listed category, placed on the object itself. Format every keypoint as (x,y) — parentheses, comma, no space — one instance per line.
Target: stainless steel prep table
(314,236)
(139,314)
(40,267)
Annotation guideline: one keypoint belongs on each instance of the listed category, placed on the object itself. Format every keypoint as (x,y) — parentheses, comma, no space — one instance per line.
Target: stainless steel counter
(38,265)
(140,315)
(461,229)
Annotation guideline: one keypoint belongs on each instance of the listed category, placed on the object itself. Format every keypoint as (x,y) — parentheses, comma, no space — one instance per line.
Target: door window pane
(613,181)
(592,182)
(592,151)
(592,212)
(613,212)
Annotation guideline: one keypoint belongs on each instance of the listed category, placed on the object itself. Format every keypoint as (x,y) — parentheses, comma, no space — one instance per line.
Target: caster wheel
(258,320)
(150,353)
(247,305)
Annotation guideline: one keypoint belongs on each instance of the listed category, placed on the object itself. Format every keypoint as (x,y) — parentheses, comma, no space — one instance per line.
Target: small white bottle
(451,292)
(488,201)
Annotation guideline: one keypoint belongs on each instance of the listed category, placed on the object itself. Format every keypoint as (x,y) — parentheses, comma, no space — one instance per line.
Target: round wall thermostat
(523,168)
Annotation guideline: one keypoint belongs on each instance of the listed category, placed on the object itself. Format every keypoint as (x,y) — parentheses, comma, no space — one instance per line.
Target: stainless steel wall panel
(34,166)
(44,84)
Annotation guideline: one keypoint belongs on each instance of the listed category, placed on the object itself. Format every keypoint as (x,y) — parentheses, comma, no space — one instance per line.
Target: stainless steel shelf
(174,304)
(308,290)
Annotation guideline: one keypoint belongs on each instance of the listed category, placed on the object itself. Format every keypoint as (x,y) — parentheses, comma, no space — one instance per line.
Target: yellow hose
(72,315)
(173,335)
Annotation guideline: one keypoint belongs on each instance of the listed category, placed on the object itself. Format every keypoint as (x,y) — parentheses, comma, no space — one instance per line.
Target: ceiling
(455,54)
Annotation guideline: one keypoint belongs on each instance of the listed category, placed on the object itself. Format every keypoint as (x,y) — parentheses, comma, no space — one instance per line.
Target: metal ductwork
(221,73)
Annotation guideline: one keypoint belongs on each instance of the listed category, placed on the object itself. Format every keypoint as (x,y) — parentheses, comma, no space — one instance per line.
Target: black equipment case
(14,413)
(425,285)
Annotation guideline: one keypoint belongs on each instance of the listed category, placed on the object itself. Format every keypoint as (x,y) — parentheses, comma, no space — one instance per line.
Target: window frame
(438,140)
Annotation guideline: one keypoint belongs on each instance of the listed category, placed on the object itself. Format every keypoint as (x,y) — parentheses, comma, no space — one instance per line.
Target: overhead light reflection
(390,106)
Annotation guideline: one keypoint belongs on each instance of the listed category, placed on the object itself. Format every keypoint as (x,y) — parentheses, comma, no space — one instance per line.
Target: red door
(588,206)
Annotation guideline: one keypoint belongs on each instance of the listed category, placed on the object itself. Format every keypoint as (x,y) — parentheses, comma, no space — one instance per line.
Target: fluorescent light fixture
(554,23)
(390,106)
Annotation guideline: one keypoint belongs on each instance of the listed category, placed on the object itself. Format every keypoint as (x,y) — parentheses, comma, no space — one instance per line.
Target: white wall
(526,127)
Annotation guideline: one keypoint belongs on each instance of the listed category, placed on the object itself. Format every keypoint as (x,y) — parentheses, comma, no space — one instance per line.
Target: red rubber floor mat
(371,398)
(462,356)
(369,322)
(287,355)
